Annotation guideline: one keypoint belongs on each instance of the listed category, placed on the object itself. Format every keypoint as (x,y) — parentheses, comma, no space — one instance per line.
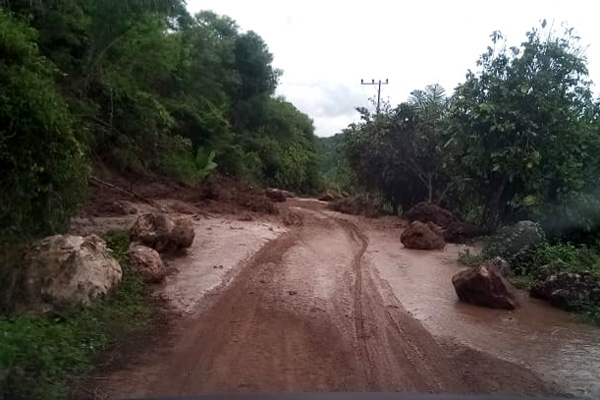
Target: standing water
(545,340)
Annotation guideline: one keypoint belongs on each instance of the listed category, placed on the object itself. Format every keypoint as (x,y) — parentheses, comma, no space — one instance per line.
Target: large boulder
(59,271)
(429,212)
(353,206)
(423,236)
(455,231)
(462,232)
(183,232)
(326,197)
(330,196)
(511,241)
(485,286)
(288,194)
(146,263)
(276,195)
(568,290)
(153,230)
(163,234)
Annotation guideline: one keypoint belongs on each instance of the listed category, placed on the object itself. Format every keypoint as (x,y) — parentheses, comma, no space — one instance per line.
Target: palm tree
(431,102)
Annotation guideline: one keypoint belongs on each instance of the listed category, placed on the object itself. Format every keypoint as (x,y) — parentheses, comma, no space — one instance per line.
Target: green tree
(427,156)
(522,127)
(400,153)
(150,87)
(43,167)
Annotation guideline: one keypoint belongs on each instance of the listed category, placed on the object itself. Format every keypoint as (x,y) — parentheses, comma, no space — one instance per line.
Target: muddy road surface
(307,309)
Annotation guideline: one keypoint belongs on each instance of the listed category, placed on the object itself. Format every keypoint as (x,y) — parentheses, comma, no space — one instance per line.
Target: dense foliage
(334,167)
(43,170)
(142,86)
(525,133)
(517,140)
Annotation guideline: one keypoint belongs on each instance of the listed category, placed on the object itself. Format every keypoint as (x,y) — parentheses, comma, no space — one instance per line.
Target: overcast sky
(326,47)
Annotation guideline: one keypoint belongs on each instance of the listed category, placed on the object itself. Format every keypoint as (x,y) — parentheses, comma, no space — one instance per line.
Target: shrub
(43,167)
(565,256)
(179,161)
(517,244)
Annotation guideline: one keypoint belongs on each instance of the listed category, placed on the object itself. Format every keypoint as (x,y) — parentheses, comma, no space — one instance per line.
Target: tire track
(359,317)
(395,351)
(307,312)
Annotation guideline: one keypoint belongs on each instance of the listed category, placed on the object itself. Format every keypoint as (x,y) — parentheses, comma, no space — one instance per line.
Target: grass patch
(42,357)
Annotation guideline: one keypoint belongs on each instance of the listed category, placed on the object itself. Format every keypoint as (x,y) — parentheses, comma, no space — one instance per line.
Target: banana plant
(204,162)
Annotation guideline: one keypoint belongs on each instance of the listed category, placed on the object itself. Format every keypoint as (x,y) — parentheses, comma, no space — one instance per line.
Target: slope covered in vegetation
(142,86)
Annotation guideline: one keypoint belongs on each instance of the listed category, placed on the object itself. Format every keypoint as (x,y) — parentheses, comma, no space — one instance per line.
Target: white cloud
(326,47)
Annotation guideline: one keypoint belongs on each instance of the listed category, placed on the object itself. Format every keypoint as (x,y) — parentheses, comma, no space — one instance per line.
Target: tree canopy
(518,139)
(142,86)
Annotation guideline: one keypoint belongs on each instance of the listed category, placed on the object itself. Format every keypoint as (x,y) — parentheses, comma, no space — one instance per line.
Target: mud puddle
(545,340)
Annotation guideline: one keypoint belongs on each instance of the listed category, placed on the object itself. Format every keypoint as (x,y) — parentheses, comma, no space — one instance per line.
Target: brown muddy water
(548,341)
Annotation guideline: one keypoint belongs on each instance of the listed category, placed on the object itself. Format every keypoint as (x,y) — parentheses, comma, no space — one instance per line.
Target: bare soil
(303,310)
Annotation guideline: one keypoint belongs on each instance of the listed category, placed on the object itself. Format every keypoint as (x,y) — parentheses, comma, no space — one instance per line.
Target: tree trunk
(430,188)
(491,216)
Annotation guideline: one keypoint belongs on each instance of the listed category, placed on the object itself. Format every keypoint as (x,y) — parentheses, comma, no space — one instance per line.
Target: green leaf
(529,200)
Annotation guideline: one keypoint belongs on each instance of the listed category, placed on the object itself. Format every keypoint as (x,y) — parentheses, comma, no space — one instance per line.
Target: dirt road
(308,312)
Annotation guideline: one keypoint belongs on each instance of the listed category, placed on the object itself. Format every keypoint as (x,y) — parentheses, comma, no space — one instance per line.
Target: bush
(43,167)
(235,162)
(179,161)
(41,357)
(517,244)
(565,256)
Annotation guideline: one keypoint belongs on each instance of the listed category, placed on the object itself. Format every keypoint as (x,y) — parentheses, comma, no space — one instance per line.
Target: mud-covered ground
(314,300)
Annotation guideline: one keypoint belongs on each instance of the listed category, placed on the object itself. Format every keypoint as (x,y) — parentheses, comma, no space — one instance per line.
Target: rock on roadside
(423,236)
(288,194)
(455,231)
(276,195)
(429,212)
(485,286)
(158,231)
(146,263)
(567,290)
(328,196)
(62,270)
(462,232)
(183,232)
(515,239)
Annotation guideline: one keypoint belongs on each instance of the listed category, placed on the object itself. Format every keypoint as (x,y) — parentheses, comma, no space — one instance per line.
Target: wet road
(337,304)
(543,339)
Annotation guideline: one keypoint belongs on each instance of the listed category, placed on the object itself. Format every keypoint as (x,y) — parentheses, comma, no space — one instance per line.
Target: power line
(378,83)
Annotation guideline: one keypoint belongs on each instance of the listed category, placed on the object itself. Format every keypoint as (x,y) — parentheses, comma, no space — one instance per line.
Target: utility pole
(373,83)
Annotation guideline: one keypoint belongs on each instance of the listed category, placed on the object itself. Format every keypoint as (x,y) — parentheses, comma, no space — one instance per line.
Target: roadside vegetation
(143,88)
(46,357)
(517,140)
